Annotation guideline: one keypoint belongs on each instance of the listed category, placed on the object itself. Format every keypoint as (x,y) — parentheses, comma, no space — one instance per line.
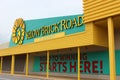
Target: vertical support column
(47,64)
(1,64)
(78,63)
(27,63)
(111,49)
(12,64)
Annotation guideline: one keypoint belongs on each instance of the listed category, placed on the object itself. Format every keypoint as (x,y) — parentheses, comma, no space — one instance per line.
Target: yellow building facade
(69,47)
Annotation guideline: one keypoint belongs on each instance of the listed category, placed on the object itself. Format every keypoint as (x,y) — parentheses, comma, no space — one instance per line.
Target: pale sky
(33,9)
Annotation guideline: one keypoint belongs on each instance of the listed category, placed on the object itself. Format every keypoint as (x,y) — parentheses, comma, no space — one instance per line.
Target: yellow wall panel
(93,35)
(74,40)
(98,9)
(100,35)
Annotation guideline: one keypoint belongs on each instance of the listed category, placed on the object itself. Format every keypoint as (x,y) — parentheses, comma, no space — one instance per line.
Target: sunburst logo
(18,31)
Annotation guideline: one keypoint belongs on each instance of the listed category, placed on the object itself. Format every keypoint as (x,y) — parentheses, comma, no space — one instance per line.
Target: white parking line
(4,79)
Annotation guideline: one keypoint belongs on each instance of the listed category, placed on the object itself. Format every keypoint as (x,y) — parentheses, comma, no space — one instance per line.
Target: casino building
(68,47)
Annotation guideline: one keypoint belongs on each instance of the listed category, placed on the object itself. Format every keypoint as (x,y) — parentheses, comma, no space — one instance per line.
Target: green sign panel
(27,31)
(91,63)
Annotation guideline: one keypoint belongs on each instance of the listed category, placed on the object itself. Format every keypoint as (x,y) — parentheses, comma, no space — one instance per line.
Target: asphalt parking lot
(10,77)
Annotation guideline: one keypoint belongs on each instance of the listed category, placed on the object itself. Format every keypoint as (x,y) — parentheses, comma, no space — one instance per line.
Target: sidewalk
(6,76)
